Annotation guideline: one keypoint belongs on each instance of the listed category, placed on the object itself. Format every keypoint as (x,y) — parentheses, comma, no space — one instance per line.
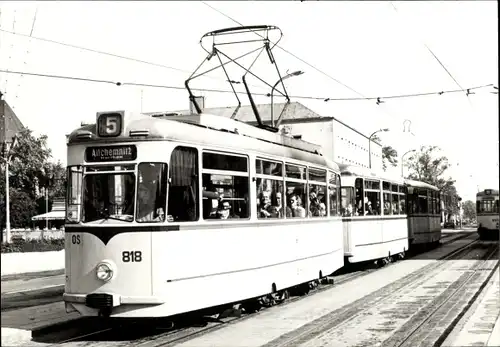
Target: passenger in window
(322,210)
(146,211)
(224,211)
(296,209)
(387,208)
(313,203)
(278,205)
(348,211)
(265,205)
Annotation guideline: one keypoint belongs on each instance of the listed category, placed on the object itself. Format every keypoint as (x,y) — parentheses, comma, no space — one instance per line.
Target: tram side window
(422,201)
(372,197)
(269,186)
(387,198)
(151,193)
(347,201)
(395,199)
(496,207)
(359,209)
(402,199)
(225,182)
(438,203)
(183,185)
(318,194)
(295,206)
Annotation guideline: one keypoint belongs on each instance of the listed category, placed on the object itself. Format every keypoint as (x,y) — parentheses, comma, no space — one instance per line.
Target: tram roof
(488,192)
(208,130)
(420,184)
(354,170)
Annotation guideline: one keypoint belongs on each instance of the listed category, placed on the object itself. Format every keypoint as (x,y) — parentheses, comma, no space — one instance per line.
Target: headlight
(104,272)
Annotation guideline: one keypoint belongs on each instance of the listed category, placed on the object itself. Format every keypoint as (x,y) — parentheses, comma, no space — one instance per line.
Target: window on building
(225,181)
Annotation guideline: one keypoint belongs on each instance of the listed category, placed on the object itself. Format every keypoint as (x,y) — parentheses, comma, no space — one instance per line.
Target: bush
(21,245)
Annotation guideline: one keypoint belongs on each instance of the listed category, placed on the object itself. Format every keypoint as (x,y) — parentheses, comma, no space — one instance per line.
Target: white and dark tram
(374,215)
(487,212)
(172,214)
(424,214)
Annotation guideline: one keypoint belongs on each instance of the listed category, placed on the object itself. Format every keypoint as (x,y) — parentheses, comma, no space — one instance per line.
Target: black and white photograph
(296,173)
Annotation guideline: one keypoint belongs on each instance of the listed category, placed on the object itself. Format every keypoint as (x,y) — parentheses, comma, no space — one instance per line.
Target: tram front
(116,198)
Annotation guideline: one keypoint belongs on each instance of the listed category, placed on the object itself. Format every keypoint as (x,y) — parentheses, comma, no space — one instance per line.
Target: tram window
(438,203)
(295,200)
(317,200)
(386,186)
(375,185)
(478,206)
(151,193)
(372,203)
(496,206)
(402,204)
(395,204)
(317,175)
(183,185)
(387,204)
(359,210)
(270,168)
(216,161)
(109,196)
(347,201)
(295,171)
(422,202)
(270,198)
(74,193)
(232,196)
(395,188)
(334,194)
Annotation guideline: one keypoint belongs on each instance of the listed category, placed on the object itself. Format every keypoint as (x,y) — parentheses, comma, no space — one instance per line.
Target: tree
(469,210)
(428,166)
(389,154)
(29,170)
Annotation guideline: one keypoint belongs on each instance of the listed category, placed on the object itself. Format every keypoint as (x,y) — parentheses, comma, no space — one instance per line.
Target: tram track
(376,317)
(186,331)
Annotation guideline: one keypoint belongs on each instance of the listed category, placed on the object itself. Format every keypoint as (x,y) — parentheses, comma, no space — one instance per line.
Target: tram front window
(108,196)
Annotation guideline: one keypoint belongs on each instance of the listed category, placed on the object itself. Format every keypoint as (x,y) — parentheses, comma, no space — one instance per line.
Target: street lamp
(291,74)
(402,160)
(7,147)
(370,145)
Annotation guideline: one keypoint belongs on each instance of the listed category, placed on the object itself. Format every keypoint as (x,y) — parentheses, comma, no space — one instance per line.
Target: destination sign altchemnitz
(110,153)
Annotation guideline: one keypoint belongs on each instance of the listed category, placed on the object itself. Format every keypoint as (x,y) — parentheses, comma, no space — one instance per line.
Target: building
(339,141)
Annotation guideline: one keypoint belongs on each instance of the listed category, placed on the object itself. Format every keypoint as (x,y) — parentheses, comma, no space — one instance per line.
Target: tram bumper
(95,303)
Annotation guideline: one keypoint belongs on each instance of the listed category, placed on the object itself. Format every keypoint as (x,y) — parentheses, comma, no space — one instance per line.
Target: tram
(424,213)
(172,214)
(374,215)
(487,212)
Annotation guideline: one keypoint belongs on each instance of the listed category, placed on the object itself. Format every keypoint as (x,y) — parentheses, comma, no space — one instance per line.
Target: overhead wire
(434,55)
(114,55)
(325,99)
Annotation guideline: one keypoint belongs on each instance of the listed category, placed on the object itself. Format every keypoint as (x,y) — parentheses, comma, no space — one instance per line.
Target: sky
(376,49)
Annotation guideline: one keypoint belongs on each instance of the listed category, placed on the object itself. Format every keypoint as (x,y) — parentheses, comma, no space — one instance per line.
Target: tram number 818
(131,256)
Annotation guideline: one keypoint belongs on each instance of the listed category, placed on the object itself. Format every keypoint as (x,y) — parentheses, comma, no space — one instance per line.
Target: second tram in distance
(487,212)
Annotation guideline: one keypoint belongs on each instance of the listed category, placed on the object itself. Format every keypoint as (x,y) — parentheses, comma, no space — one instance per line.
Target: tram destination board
(110,153)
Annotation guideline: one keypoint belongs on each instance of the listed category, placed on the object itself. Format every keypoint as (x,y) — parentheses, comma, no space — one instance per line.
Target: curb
(44,292)
(35,274)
